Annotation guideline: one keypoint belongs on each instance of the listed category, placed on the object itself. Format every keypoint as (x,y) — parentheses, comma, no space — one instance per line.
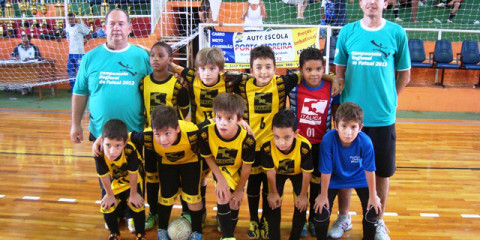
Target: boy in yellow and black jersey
(287,155)
(229,152)
(206,81)
(161,87)
(265,95)
(120,170)
(172,143)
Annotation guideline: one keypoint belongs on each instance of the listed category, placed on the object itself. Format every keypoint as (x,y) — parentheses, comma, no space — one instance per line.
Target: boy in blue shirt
(347,160)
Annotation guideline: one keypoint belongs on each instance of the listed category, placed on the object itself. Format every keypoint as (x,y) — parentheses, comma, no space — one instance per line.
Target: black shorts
(384,144)
(181,179)
(296,183)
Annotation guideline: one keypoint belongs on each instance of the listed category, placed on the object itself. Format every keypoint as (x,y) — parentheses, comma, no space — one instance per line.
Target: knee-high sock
(225,218)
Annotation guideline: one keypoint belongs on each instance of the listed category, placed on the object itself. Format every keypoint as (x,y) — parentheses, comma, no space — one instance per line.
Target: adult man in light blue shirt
(108,79)
(370,53)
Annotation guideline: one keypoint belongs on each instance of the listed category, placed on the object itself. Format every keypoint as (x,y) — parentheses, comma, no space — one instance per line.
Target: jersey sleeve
(248,149)
(137,138)
(291,81)
(203,143)
(102,168)
(85,30)
(341,54)
(14,52)
(306,153)
(133,162)
(402,57)
(183,99)
(189,75)
(325,165)
(267,160)
(37,52)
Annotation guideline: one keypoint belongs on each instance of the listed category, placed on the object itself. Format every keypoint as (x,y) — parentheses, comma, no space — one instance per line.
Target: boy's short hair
(262,51)
(164,117)
(229,103)
(349,111)
(212,56)
(71,14)
(285,119)
(165,46)
(311,54)
(115,129)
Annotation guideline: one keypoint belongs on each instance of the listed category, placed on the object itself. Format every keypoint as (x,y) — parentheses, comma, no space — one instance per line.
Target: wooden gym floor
(49,188)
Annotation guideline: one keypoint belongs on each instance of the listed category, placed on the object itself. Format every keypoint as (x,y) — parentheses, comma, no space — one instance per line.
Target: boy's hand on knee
(375,203)
(236,198)
(135,200)
(108,201)
(274,200)
(222,190)
(301,203)
(321,201)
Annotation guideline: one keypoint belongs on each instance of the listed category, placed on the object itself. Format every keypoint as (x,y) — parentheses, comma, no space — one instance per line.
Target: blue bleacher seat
(443,56)
(417,53)
(470,57)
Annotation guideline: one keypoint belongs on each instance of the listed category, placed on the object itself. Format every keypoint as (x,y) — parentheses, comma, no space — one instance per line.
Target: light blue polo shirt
(371,57)
(110,78)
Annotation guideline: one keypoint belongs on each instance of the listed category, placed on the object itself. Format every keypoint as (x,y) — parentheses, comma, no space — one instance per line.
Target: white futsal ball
(179,229)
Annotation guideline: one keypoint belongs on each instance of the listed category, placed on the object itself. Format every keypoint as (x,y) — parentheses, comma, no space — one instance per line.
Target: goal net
(177,21)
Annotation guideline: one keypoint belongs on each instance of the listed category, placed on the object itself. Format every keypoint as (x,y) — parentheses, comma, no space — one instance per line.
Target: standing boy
(119,167)
(160,88)
(229,152)
(312,102)
(287,156)
(347,161)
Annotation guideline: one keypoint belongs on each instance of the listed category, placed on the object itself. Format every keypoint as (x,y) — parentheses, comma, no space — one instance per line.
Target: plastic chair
(417,53)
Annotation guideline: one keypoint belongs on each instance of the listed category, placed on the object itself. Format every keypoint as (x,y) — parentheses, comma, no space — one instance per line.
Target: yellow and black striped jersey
(264,102)
(184,150)
(168,92)
(129,162)
(298,159)
(229,154)
(201,95)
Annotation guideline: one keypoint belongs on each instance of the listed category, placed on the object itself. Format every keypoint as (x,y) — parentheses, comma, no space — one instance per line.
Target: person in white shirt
(77,35)
(25,51)
(253,14)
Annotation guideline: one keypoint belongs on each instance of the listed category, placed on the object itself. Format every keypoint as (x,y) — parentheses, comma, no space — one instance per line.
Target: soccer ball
(179,229)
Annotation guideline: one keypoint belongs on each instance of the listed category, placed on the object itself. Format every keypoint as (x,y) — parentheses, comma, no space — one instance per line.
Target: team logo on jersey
(286,166)
(226,156)
(175,156)
(263,102)
(119,171)
(206,97)
(305,150)
(312,110)
(127,68)
(380,48)
(157,99)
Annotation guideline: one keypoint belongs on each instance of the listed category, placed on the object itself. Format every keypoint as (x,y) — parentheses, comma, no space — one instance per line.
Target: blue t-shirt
(346,164)
(371,57)
(110,78)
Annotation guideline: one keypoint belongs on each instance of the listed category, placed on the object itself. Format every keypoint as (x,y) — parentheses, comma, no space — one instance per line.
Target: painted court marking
(429,215)
(2,196)
(70,200)
(30,198)
(470,215)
